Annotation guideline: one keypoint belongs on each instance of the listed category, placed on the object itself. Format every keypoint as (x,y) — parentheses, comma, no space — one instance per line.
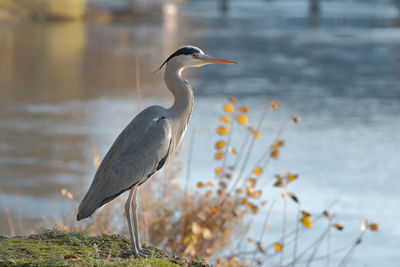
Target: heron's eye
(193,55)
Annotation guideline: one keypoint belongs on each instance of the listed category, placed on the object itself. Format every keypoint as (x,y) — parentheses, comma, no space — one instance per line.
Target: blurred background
(73,73)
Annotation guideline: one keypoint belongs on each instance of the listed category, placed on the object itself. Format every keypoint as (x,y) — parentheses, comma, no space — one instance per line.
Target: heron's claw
(136,253)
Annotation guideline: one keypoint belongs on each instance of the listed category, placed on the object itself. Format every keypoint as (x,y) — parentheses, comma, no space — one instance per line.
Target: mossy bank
(56,248)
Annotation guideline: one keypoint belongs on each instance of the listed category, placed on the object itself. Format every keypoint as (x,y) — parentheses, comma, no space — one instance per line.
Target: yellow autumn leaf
(200,184)
(252,182)
(228,108)
(209,184)
(274,104)
(220,145)
(256,134)
(292,177)
(63,191)
(196,229)
(225,119)
(218,170)
(222,130)
(275,154)
(66,228)
(213,210)
(257,171)
(306,222)
(239,191)
(242,119)
(219,155)
(206,233)
(278,246)
(232,100)
(69,195)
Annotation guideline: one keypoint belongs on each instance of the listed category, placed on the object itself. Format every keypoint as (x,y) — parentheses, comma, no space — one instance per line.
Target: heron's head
(189,56)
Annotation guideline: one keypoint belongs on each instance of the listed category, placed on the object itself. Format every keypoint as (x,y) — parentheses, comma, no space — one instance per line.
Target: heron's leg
(134,250)
(136,224)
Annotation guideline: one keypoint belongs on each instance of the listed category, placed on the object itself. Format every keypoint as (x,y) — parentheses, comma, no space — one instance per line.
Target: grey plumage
(146,144)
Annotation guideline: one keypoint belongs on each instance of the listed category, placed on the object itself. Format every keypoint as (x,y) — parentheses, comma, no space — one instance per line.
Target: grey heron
(145,145)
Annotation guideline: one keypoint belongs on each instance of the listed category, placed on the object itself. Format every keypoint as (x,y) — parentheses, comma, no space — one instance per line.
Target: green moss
(56,248)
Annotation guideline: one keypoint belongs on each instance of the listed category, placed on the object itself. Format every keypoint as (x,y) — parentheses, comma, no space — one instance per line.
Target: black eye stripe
(183,51)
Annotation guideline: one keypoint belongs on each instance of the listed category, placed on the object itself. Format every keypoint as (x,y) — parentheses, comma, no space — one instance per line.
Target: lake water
(68,87)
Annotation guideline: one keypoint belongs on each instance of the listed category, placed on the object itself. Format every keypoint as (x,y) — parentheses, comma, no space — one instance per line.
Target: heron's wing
(140,150)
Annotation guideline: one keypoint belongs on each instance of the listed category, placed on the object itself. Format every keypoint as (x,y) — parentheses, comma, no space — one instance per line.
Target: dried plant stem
(296,236)
(138,88)
(328,258)
(8,215)
(284,194)
(354,245)
(19,214)
(188,172)
(264,225)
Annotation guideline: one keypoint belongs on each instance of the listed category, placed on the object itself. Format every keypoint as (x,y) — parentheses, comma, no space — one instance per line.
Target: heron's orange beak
(213,60)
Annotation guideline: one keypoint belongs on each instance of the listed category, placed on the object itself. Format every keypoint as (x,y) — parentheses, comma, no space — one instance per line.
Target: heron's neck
(182,91)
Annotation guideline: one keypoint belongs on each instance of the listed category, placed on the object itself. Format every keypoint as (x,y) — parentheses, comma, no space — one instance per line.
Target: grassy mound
(56,248)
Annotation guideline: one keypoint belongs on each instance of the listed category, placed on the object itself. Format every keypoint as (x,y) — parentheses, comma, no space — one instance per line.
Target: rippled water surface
(68,87)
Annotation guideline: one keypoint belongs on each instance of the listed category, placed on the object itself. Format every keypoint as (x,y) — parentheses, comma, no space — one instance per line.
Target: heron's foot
(134,252)
(145,251)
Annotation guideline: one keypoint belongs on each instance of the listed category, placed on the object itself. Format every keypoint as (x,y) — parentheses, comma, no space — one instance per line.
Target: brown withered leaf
(200,184)
(228,176)
(293,197)
(274,104)
(278,184)
(326,214)
(70,256)
(275,154)
(260,248)
(243,109)
(250,240)
(264,203)
(373,227)
(338,226)
(232,100)
(235,213)
(220,144)
(295,119)
(305,213)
